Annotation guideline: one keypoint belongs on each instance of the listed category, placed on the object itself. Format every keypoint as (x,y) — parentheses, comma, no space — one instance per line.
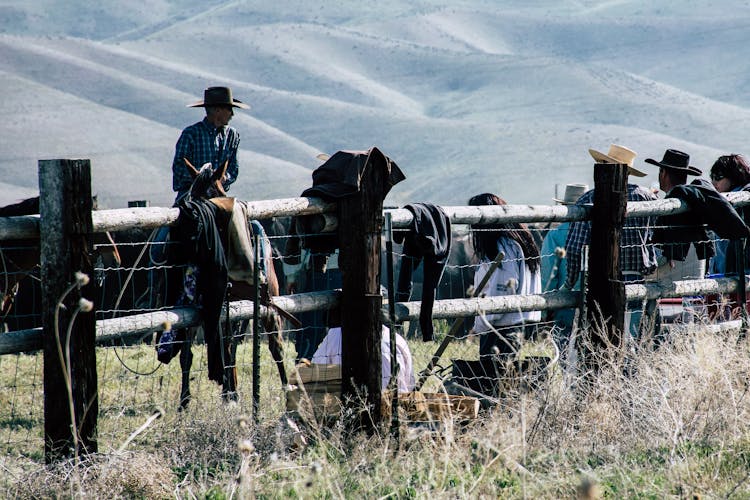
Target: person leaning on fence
(637,254)
(730,173)
(516,274)
(708,208)
(210,140)
(554,266)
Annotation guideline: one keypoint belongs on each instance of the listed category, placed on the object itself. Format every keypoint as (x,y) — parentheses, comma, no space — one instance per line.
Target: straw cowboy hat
(218,96)
(572,193)
(618,154)
(676,160)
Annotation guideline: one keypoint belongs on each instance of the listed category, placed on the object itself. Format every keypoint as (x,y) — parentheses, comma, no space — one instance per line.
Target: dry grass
(114,475)
(655,423)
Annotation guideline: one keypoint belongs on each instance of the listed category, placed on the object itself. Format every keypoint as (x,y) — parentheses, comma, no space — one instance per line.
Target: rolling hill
(466,97)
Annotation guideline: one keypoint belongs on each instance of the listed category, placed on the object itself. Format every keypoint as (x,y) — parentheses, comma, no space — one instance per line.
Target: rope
(117,304)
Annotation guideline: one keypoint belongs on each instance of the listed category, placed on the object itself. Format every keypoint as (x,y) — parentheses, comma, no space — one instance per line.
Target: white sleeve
(329,351)
(406,379)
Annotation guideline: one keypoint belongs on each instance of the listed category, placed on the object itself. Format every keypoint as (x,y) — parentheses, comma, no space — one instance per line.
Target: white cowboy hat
(572,193)
(618,154)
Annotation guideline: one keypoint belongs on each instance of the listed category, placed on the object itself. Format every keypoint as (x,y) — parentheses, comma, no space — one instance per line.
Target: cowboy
(211,140)
(637,254)
(555,266)
(708,207)
(679,234)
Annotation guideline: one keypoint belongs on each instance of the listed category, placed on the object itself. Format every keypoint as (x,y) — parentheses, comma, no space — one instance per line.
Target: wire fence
(133,383)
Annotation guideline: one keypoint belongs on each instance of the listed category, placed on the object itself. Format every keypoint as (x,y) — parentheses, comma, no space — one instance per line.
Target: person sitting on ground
(517,274)
(329,352)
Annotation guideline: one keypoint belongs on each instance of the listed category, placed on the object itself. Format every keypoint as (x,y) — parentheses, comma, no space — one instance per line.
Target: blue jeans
(634,308)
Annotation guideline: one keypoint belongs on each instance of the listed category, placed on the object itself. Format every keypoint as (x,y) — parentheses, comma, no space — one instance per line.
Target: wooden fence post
(360,227)
(606,289)
(71,400)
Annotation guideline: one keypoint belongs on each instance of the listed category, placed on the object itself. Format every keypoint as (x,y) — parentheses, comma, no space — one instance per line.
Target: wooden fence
(66,224)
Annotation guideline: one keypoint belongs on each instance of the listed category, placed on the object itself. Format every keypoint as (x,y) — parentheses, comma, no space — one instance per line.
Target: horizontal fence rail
(19,227)
(153,217)
(451,308)
(141,324)
(27,226)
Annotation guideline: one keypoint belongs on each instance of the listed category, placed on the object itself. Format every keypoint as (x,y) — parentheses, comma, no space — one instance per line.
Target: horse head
(206,181)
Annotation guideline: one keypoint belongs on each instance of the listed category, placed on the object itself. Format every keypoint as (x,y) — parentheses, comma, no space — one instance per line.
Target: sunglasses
(717,177)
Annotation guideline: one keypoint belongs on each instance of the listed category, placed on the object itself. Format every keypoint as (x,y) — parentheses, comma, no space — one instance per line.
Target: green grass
(678,425)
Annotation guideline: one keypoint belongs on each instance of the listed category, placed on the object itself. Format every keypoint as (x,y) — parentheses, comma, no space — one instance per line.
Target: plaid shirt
(636,254)
(203,143)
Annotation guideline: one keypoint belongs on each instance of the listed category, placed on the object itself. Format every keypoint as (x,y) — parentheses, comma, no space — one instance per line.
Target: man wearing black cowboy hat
(211,140)
(674,169)
(708,207)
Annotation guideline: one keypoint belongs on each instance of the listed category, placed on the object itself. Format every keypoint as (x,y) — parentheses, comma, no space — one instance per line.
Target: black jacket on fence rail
(427,240)
(709,209)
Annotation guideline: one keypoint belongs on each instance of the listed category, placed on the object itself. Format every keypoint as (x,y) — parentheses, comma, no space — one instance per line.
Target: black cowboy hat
(218,96)
(676,160)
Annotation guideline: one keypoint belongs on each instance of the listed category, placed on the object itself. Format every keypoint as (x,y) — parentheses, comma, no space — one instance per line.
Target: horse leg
(276,346)
(186,361)
(229,382)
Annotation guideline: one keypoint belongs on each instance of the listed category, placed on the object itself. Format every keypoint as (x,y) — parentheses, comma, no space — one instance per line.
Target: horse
(234,237)
(20,281)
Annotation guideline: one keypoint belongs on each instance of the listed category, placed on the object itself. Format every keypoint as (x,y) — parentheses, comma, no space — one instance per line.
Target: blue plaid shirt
(203,143)
(637,255)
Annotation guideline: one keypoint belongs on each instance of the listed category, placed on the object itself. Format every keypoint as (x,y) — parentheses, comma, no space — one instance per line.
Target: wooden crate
(426,406)
(305,373)
(320,404)
(322,385)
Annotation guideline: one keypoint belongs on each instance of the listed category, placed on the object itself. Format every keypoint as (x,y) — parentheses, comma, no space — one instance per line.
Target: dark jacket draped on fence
(428,239)
(709,209)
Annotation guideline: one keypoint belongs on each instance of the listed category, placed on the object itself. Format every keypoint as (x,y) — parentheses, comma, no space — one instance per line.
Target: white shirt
(329,352)
(512,277)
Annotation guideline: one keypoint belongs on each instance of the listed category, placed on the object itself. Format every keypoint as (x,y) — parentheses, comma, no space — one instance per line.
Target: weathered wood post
(359,231)
(71,400)
(606,289)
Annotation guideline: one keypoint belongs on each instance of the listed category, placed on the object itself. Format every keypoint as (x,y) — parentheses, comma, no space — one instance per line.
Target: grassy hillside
(464,96)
